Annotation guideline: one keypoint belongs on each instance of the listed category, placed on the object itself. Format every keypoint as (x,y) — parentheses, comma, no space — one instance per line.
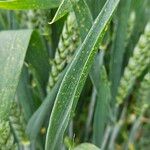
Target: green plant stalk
(137,63)
(116,129)
(69,41)
(138,122)
(6,137)
(106,137)
(90,113)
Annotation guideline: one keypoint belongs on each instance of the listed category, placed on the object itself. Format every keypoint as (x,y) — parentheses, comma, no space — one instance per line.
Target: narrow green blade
(63,9)
(102,107)
(24,94)
(119,46)
(75,77)
(29,4)
(84,19)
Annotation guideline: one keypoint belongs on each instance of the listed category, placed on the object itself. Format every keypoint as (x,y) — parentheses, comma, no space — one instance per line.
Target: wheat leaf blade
(28,4)
(13,47)
(75,77)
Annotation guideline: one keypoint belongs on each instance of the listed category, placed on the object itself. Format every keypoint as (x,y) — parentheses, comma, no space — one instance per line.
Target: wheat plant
(74,74)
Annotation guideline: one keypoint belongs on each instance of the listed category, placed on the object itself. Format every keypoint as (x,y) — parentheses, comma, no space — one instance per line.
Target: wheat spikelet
(68,42)
(131,24)
(18,124)
(34,19)
(6,138)
(137,63)
(143,93)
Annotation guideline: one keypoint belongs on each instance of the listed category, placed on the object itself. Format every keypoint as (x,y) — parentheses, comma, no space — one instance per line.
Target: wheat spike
(68,42)
(34,19)
(137,63)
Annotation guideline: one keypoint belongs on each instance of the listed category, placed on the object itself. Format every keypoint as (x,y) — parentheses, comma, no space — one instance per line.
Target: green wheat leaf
(29,4)
(84,19)
(119,45)
(63,9)
(36,121)
(25,95)
(101,114)
(13,47)
(75,77)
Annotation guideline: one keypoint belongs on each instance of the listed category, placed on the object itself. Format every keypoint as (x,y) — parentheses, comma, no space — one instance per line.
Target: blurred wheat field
(74,75)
